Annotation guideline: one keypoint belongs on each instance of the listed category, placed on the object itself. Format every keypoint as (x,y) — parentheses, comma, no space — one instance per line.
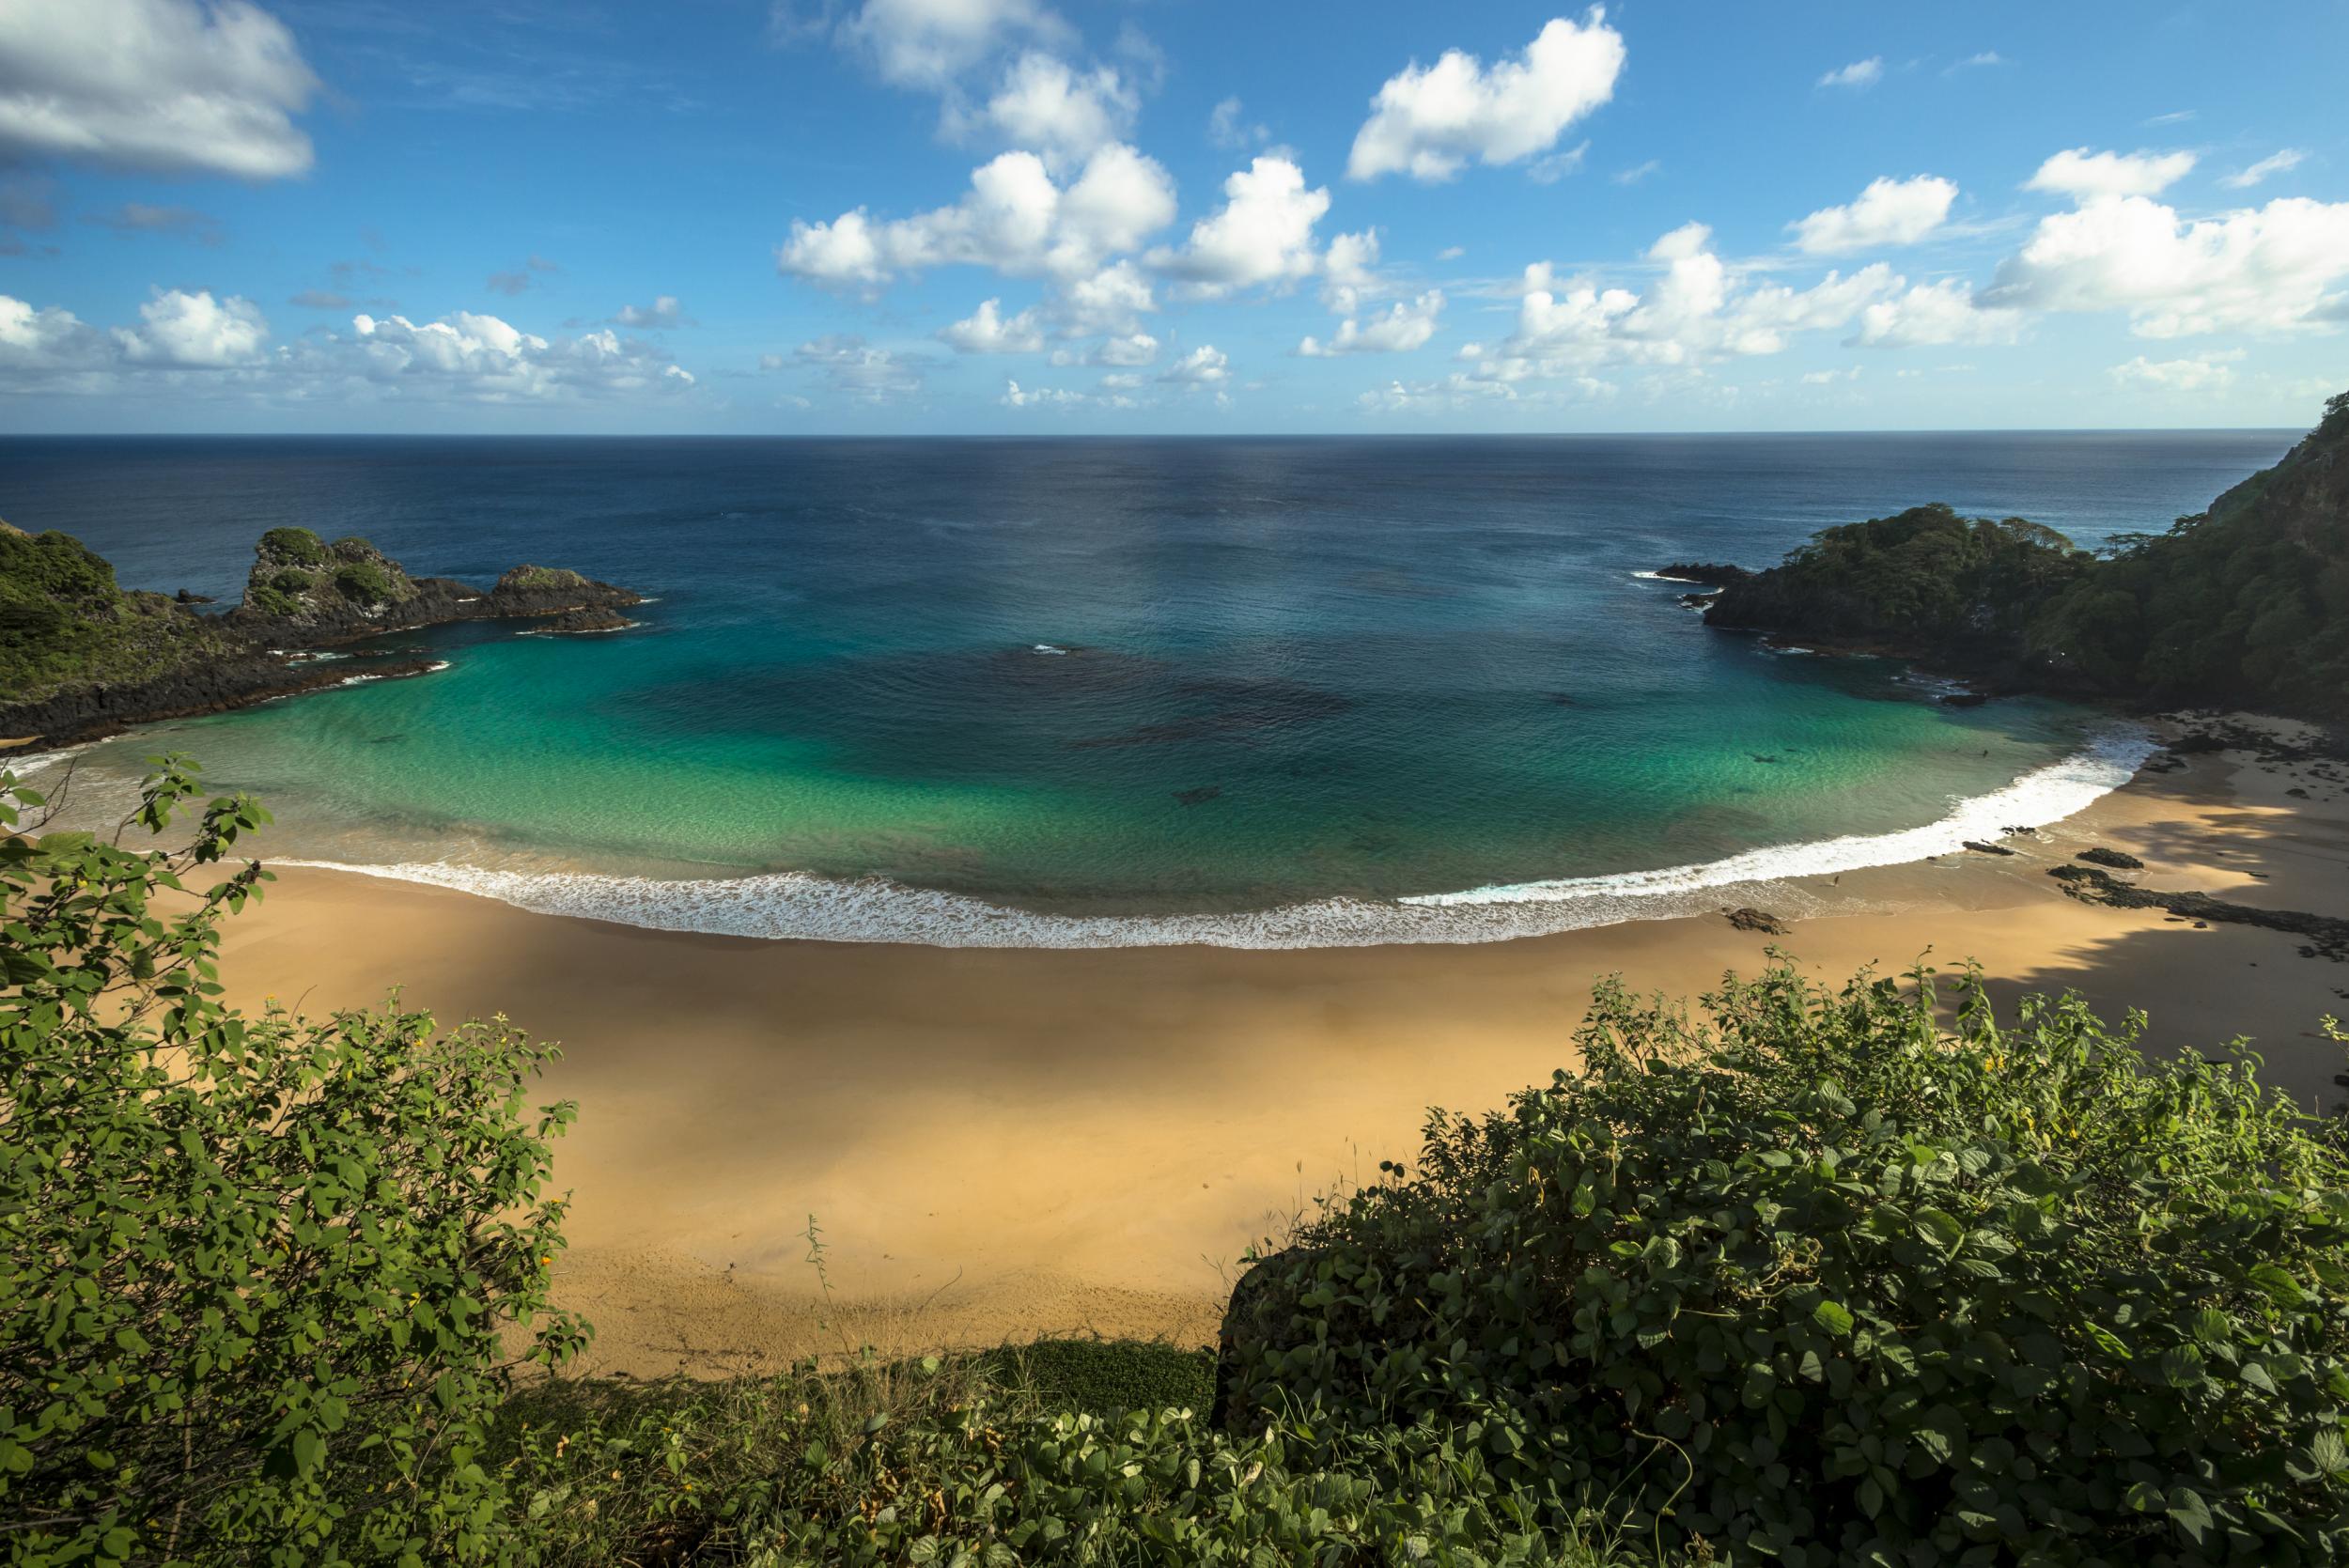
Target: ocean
(1262,692)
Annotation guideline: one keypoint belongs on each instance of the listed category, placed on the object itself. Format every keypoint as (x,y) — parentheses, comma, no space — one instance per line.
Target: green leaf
(1833,1317)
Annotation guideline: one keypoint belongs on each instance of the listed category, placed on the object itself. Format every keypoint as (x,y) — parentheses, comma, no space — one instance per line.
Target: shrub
(1828,1281)
(365,582)
(292,580)
(257,1269)
(297,545)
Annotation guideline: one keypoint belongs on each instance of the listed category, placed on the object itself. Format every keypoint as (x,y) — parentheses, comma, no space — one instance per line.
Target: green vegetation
(297,544)
(1828,1281)
(64,622)
(258,1269)
(2247,603)
(292,580)
(1858,1277)
(540,580)
(365,582)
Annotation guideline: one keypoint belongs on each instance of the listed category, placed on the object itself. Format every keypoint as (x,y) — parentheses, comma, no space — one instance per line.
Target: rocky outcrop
(84,659)
(2329,937)
(1710,574)
(1747,919)
(2119,860)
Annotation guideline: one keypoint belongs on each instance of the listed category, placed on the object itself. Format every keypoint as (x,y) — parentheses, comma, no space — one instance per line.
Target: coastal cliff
(81,656)
(2246,604)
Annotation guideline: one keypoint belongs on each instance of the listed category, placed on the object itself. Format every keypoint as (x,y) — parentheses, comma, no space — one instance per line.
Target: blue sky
(1005,216)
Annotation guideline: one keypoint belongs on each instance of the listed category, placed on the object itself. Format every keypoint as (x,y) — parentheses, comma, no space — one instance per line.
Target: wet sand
(998,1144)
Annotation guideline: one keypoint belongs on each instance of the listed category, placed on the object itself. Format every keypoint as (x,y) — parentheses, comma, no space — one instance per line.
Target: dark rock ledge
(146,656)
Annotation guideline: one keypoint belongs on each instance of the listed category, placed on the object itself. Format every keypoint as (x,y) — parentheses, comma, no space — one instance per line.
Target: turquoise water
(1097,691)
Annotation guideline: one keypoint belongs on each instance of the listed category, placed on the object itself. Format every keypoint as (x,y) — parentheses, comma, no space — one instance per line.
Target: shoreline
(1007,1142)
(802,907)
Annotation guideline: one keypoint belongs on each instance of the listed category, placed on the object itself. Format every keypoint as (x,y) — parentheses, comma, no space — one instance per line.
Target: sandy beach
(998,1144)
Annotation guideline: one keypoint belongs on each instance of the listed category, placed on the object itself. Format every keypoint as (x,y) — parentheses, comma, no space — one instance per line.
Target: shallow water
(1078,692)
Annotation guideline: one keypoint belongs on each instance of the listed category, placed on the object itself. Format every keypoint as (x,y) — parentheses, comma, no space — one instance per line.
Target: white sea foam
(1047,647)
(795,905)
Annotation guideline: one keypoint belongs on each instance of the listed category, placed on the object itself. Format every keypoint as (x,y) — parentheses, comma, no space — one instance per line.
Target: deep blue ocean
(1271,691)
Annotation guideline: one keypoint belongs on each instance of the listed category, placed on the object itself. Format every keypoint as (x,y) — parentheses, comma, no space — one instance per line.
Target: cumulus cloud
(1014,218)
(2269,268)
(1698,309)
(1860,73)
(2283,162)
(2084,174)
(1264,233)
(1429,121)
(196,332)
(1349,273)
(1889,212)
(1406,325)
(987,330)
(1112,396)
(480,358)
(858,370)
(1048,105)
(168,86)
(2207,374)
(1204,365)
(1129,348)
(927,44)
(1112,300)
(1934,313)
(46,339)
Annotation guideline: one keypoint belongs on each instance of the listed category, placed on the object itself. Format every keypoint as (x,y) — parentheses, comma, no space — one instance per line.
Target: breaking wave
(802,906)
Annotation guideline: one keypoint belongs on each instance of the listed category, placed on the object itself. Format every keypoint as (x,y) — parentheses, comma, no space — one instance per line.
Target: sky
(1168,216)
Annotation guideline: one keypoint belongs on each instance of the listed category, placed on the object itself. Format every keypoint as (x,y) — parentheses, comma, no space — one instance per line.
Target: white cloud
(2283,162)
(196,332)
(1988,57)
(664,311)
(1699,309)
(1014,219)
(1348,275)
(1429,121)
(47,339)
(1889,212)
(1934,313)
(1129,348)
(858,370)
(1404,326)
(1046,105)
(1860,73)
(1204,365)
(926,43)
(1636,172)
(2207,374)
(2260,269)
(1452,253)
(1228,129)
(1112,300)
(1262,235)
(1016,397)
(480,358)
(987,330)
(167,86)
(2084,174)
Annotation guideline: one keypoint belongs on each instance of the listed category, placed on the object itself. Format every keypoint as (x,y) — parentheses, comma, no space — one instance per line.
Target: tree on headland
(263,1279)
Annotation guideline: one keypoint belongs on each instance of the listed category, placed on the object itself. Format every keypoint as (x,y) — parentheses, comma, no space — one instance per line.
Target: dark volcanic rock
(1756,920)
(2328,936)
(1980,846)
(2118,859)
(598,619)
(1713,574)
(187,596)
(1964,699)
(91,712)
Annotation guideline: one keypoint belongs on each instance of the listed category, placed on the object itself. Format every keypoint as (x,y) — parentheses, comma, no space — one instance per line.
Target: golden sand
(998,1144)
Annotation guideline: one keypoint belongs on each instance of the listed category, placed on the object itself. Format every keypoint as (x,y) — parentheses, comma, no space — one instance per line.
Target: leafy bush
(297,545)
(272,601)
(1826,1281)
(365,582)
(258,1269)
(935,1463)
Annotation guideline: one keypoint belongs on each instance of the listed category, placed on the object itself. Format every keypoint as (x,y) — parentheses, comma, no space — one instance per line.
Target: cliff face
(2246,604)
(79,655)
